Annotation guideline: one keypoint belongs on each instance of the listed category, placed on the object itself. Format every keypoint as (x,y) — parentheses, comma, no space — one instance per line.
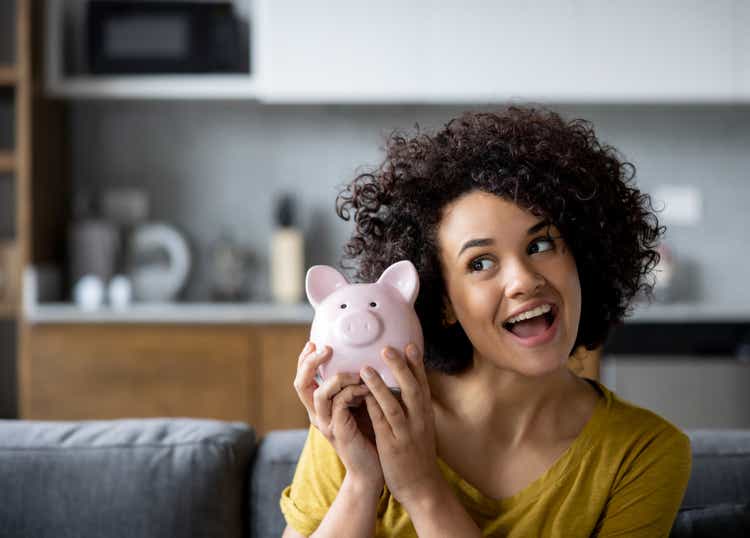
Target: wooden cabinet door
(116,371)
(279,348)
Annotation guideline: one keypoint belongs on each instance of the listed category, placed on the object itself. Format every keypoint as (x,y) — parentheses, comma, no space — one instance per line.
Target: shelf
(230,86)
(8,75)
(7,162)
(169,313)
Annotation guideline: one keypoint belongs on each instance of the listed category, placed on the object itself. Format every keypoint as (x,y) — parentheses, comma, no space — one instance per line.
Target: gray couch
(199,478)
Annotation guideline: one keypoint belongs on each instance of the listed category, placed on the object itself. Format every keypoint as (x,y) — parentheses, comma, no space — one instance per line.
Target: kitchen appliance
(137,37)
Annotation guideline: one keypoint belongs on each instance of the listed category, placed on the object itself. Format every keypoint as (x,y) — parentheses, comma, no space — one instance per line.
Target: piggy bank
(358,320)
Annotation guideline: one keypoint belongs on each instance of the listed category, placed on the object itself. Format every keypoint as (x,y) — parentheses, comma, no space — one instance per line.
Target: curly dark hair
(530,156)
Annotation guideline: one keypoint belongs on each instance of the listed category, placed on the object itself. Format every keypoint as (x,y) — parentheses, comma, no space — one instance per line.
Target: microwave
(149,37)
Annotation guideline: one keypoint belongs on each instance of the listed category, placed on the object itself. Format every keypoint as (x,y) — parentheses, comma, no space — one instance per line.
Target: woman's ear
(449,316)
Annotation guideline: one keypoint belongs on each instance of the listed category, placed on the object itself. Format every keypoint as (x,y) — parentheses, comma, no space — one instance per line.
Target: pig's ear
(321,281)
(402,276)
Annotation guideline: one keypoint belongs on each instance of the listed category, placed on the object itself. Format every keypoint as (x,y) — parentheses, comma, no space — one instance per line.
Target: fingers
(323,395)
(392,413)
(377,418)
(402,370)
(309,348)
(304,381)
(416,364)
(343,424)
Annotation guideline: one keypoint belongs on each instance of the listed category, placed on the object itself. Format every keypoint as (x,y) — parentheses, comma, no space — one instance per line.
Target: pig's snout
(359,328)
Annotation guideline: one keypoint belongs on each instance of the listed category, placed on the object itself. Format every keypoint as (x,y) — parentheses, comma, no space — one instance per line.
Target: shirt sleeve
(317,480)
(645,501)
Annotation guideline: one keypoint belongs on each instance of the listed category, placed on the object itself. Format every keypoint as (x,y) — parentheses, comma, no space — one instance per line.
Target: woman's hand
(331,407)
(405,434)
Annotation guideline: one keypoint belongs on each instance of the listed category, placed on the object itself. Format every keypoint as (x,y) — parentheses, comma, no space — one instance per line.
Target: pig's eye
(373,304)
(343,306)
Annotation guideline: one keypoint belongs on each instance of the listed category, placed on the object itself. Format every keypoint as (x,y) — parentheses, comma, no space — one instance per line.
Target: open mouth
(548,318)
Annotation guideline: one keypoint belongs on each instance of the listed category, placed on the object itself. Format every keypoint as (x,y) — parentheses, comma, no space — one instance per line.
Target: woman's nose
(523,280)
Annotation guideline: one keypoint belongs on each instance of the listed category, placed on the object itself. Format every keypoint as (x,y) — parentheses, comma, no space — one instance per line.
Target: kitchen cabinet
(483,51)
(76,372)
(474,51)
(227,372)
(94,372)
(279,348)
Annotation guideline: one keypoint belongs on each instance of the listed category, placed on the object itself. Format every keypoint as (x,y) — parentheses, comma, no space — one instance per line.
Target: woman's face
(496,262)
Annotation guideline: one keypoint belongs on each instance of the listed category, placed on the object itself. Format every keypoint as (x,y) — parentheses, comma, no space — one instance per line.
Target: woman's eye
(549,240)
(480,264)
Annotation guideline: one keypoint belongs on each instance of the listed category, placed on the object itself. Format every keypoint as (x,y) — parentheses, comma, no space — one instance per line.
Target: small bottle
(287,256)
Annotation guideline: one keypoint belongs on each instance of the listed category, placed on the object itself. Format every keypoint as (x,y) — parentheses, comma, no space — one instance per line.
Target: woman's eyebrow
(488,241)
(475,243)
(538,226)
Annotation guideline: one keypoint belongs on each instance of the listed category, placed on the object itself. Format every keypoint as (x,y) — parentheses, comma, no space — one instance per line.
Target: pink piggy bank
(358,320)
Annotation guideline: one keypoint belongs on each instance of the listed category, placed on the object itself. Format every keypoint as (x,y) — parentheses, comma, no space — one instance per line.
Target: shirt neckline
(556,472)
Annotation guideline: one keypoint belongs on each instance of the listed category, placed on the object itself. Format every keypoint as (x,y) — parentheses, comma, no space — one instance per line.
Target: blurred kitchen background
(168,172)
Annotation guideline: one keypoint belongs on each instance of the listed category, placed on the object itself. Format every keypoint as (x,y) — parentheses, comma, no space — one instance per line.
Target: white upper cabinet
(445,51)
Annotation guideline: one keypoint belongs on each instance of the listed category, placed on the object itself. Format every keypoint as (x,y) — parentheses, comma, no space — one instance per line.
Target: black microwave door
(162,37)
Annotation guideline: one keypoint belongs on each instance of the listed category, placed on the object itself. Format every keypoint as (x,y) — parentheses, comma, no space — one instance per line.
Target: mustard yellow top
(624,475)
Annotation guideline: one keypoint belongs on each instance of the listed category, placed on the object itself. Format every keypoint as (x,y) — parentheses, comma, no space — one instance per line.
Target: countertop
(302,313)
(188,313)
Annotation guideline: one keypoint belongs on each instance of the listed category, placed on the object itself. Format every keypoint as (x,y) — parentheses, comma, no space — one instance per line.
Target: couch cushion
(274,465)
(124,478)
(721,468)
(725,520)
(717,500)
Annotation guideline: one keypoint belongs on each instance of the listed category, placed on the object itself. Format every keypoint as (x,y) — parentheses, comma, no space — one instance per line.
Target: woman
(502,214)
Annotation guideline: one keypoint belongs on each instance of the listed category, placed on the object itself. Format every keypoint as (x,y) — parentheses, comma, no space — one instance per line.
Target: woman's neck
(507,408)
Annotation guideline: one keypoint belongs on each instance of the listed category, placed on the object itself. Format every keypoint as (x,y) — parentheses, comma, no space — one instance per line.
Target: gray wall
(210,165)
(706,392)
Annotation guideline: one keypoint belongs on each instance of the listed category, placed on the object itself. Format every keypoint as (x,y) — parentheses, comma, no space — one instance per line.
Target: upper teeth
(538,311)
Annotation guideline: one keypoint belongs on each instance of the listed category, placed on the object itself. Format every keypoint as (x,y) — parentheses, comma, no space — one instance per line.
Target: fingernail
(389,353)
(368,373)
(411,351)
